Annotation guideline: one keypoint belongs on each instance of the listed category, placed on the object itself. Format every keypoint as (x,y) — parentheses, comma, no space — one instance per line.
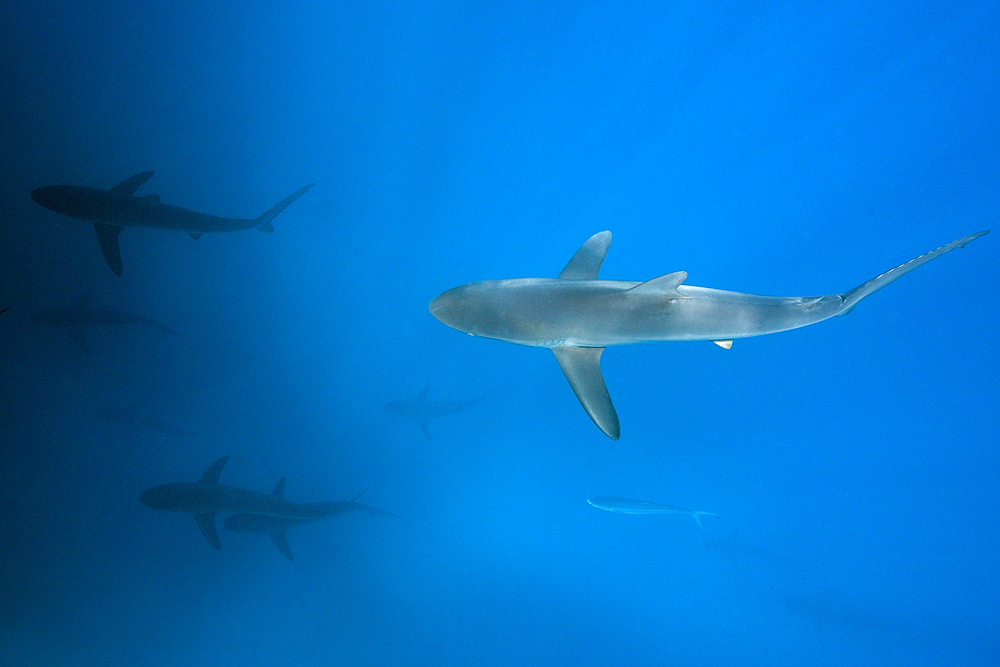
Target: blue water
(773,148)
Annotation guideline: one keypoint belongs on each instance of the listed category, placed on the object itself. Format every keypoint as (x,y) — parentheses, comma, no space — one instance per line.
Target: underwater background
(766,147)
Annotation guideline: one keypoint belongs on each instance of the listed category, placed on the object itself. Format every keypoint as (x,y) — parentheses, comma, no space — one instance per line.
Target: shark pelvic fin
(665,286)
(582,367)
(281,541)
(211,475)
(279,488)
(724,344)
(264,221)
(107,236)
(128,187)
(206,522)
(586,263)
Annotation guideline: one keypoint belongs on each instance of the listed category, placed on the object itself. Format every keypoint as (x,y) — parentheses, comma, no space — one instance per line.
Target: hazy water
(767,148)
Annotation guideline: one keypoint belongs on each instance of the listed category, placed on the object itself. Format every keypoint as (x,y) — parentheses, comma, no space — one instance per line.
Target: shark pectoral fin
(281,542)
(582,367)
(207,524)
(265,226)
(79,339)
(107,236)
(724,344)
(128,187)
(264,221)
(194,236)
(422,423)
(665,286)
(586,263)
(211,475)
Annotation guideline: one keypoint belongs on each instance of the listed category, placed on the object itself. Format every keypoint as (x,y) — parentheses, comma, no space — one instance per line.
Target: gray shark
(577,316)
(206,498)
(422,409)
(112,210)
(81,316)
(626,506)
(275,526)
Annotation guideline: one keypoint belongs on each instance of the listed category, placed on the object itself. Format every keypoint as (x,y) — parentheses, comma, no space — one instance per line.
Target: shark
(206,498)
(577,315)
(81,316)
(275,526)
(422,409)
(626,506)
(113,210)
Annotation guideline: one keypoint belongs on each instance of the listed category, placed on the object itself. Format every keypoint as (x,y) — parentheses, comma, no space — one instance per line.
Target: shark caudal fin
(264,221)
(852,297)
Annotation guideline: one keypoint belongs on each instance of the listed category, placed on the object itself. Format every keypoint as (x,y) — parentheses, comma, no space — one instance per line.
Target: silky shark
(82,315)
(626,506)
(206,498)
(113,210)
(576,315)
(275,526)
(422,409)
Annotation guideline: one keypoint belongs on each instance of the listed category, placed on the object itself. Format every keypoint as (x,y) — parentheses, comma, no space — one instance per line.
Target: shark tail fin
(851,298)
(263,223)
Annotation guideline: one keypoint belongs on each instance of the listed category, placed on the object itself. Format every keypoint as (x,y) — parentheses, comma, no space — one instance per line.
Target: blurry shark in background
(113,210)
(422,409)
(82,316)
(276,526)
(626,506)
(576,315)
(206,498)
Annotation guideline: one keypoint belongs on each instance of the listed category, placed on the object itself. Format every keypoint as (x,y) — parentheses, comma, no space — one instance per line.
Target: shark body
(275,526)
(421,409)
(206,498)
(627,506)
(112,210)
(81,316)
(576,315)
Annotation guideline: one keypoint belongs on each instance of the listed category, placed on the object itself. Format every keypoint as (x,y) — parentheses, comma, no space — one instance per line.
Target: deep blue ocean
(776,148)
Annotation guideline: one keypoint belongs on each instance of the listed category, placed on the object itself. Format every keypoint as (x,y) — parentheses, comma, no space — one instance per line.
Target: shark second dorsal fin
(582,367)
(128,187)
(279,488)
(665,286)
(206,522)
(281,541)
(107,236)
(586,263)
(211,475)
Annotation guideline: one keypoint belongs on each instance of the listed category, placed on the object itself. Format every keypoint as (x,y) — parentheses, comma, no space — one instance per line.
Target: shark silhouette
(112,210)
(81,316)
(422,409)
(576,315)
(275,526)
(206,498)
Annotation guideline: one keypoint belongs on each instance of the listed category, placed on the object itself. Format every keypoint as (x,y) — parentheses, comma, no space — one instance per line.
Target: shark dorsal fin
(422,396)
(281,542)
(586,263)
(211,475)
(582,367)
(279,488)
(664,285)
(128,187)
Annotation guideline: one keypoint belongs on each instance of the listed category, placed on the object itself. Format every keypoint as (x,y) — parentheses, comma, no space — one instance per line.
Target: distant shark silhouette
(113,210)
(577,316)
(82,316)
(206,498)
(130,419)
(275,526)
(422,409)
(626,506)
